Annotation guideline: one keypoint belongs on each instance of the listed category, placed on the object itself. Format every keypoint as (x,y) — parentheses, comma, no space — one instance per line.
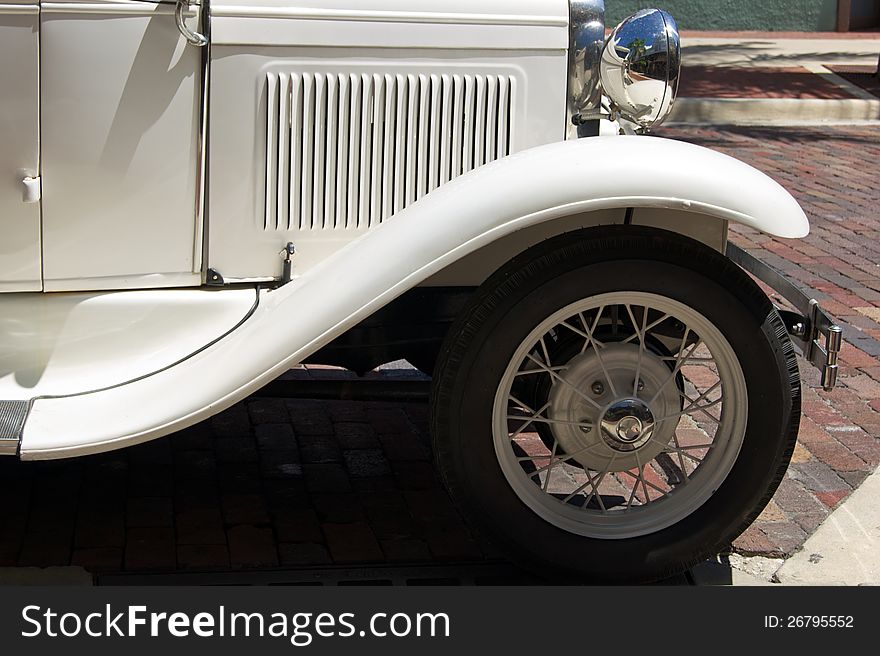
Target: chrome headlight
(640,67)
(586,39)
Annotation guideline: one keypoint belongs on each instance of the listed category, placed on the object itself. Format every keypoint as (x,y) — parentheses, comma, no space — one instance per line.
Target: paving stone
(319,449)
(297,525)
(196,495)
(366,463)
(303,554)
(195,465)
(44,549)
(392,524)
(194,438)
(100,527)
(157,452)
(149,511)
(352,435)
(235,449)
(98,559)
(451,541)
(150,548)
(267,411)
(272,437)
(147,481)
(405,550)
(373,484)
(281,464)
(352,543)
(816,476)
(203,556)
(252,547)
(349,411)
(201,526)
(285,494)
(244,509)
(831,499)
(800,505)
(233,422)
(239,477)
(337,508)
(403,446)
(310,422)
(326,478)
(786,537)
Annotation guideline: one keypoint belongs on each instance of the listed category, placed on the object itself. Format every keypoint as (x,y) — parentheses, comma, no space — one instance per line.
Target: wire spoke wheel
(617,403)
(642,423)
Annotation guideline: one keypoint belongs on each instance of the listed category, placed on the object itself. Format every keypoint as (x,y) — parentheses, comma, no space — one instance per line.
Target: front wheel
(618,404)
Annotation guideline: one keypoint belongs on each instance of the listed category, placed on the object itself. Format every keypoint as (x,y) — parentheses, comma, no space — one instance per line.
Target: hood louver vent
(345,152)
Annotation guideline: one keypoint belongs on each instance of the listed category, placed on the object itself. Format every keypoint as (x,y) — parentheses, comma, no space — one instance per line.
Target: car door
(19,146)
(120,123)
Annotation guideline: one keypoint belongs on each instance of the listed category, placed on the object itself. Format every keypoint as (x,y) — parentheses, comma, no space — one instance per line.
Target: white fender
(295,320)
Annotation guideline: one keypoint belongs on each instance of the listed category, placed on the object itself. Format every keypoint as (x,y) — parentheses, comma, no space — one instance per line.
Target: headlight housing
(586,39)
(640,67)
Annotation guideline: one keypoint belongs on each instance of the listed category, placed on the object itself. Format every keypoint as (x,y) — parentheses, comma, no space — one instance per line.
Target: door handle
(193,38)
(31,189)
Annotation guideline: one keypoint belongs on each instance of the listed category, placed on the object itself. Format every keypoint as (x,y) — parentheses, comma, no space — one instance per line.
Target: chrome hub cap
(602,392)
(620,415)
(627,425)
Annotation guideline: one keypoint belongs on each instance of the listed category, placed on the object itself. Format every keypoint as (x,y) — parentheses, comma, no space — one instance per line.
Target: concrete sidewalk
(761,79)
(772,51)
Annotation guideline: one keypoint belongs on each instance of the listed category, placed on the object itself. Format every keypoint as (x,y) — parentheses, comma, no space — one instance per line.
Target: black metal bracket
(214,279)
(806,329)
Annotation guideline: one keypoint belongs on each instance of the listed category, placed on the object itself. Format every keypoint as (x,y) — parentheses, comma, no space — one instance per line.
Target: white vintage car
(197,195)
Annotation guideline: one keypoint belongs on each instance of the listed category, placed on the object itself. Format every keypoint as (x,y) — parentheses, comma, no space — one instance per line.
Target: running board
(12,417)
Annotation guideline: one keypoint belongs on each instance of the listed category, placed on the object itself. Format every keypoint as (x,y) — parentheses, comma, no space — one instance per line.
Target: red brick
(355,542)
(831,499)
(827,449)
(244,509)
(150,548)
(865,386)
(100,559)
(753,542)
(251,547)
(856,357)
(303,554)
(203,556)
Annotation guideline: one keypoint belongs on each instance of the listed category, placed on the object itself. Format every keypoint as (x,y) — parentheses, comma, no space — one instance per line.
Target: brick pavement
(757,82)
(274,483)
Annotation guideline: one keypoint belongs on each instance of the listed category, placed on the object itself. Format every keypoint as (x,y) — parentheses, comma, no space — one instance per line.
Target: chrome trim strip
(128,8)
(200,255)
(586,39)
(19,9)
(307,13)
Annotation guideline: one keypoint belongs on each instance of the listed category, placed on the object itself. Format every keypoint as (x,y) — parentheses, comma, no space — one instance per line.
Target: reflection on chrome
(640,67)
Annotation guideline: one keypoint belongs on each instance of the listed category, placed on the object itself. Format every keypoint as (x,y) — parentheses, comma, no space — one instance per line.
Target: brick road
(275,483)
(757,82)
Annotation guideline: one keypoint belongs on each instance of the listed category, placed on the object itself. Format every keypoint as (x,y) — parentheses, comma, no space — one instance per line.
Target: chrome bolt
(598,388)
(641,386)
(585,425)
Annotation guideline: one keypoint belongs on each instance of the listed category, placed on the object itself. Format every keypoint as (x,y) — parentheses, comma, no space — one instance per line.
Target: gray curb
(770,111)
